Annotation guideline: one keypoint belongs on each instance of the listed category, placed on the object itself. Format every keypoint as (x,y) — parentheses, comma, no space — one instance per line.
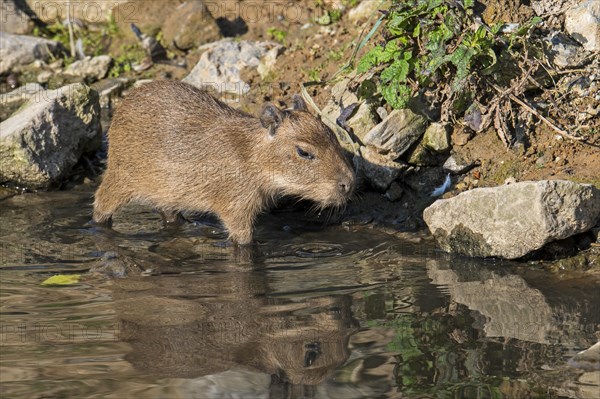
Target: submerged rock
(190,25)
(513,220)
(583,23)
(221,64)
(17,50)
(40,143)
(90,67)
(397,133)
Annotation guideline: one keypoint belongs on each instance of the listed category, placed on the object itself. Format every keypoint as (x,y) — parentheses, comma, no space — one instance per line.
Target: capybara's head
(305,159)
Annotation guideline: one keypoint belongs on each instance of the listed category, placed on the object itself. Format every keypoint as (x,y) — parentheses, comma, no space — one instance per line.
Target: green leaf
(398,71)
(396,94)
(62,279)
(468,3)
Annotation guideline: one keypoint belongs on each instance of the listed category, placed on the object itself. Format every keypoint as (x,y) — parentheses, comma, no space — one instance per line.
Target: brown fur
(177,148)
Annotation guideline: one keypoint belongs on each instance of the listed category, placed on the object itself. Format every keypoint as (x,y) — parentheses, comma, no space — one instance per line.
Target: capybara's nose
(346,186)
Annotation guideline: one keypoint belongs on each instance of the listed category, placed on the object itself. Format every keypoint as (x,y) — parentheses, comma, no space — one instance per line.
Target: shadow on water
(312,311)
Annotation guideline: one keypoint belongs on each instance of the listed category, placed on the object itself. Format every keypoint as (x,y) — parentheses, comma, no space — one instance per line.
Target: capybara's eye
(304,154)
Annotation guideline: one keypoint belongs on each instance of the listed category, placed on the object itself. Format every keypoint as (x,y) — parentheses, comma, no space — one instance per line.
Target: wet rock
(583,23)
(90,67)
(361,121)
(397,133)
(379,171)
(190,26)
(436,138)
(18,50)
(513,220)
(13,19)
(220,65)
(40,143)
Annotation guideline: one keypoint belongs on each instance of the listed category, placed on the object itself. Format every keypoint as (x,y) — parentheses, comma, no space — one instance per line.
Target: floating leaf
(62,279)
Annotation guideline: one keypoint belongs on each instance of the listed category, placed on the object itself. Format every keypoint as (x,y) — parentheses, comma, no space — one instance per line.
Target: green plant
(130,54)
(277,34)
(431,44)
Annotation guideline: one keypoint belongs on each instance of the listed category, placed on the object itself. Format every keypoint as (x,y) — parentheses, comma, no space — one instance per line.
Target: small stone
(394,193)
(90,68)
(563,51)
(456,165)
(190,25)
(363,11)
(436,138)
(421,156)
(397,133)
(363,118)
(583,24)
(461,136)
(379,171)
(13,20)
(44,76)
(17,50)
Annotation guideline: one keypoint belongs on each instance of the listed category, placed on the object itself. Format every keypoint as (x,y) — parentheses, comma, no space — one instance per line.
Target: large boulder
(513,220)
(17,50)
(42,141)
(222,62)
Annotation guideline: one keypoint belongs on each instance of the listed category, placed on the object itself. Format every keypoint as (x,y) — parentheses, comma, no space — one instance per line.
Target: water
(314,311)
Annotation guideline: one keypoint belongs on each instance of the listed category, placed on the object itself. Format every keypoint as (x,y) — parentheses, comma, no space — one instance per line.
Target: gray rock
(513,220)
(17,50)
(109,88)
(421,156)
(90,67)
(436,138)
(456,165)
(563,51)
(583,23)
(13,20)
(363,118)
(397,133)
(379,171)
(394,193)
(190,25)
(222,62)
(40,143)
(543,7)
(364,10)
(19,94)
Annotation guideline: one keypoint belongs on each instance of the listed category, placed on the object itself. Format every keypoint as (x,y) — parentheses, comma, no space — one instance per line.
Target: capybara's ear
(270,118)
(298,103)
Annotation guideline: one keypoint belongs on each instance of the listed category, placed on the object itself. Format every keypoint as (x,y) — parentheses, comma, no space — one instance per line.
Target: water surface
(314,311)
